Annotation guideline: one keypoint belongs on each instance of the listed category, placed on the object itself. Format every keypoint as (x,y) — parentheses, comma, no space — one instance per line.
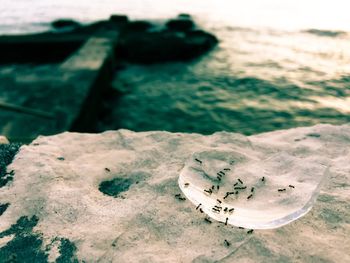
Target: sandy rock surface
(3,140)
(110,197)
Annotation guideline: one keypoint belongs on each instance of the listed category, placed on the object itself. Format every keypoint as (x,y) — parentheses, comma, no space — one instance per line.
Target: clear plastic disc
(247,192)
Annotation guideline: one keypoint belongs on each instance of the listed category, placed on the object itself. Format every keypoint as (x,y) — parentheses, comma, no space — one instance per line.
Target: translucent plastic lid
(251,193)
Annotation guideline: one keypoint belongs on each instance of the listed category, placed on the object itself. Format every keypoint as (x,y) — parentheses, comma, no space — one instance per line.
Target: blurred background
(278,64)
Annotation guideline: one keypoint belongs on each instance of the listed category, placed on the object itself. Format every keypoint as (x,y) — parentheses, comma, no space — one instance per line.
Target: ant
(178,196)
(208,191)
(198,160)
(207,220)
(240,188)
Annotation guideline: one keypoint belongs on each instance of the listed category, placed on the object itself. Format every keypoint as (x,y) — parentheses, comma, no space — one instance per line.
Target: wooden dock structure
(66,96)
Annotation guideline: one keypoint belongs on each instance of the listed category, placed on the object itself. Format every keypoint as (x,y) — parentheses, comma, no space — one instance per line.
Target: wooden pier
(65,96)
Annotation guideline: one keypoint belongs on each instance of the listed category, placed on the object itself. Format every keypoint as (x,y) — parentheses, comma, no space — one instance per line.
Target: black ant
(252,190)
(291,186)
(198,160)
(207,220)
(226,221)
(250,196)
(178,196)
(208,191)
(250,231)
(107,169)
(227,243)
(281,190)
(239,180)
(198,206)
(187,184)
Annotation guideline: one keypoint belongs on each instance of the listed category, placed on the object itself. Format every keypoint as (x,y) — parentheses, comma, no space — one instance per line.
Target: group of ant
(238,186)
(207,219)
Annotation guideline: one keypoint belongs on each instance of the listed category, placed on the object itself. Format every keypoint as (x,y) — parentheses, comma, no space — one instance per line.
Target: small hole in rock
(115,186)
(3,208)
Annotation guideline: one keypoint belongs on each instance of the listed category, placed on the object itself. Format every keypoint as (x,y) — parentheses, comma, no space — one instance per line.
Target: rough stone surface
(3,140)
(58,212)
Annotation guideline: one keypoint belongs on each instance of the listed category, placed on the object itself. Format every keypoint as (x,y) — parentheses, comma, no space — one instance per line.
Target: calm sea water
(267,73)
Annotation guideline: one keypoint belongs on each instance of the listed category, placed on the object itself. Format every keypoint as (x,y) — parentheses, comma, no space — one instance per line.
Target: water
(267,73)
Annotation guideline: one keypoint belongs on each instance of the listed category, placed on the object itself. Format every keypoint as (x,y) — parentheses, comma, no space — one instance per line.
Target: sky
(286,14)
